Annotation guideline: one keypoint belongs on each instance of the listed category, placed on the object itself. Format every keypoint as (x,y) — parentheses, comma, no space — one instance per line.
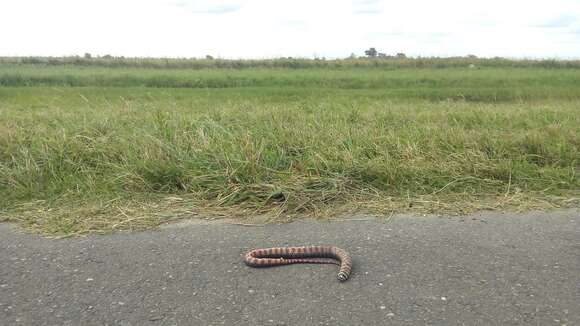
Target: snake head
(342,276)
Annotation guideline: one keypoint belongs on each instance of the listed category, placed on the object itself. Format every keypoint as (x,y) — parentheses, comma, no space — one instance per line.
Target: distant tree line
(373,53)
(371,59)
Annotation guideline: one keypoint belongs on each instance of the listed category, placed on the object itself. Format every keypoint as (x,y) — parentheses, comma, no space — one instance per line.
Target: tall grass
(103,144)
(261,150)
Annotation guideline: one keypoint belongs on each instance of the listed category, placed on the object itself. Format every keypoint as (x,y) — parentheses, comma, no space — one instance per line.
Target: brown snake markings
(301,255)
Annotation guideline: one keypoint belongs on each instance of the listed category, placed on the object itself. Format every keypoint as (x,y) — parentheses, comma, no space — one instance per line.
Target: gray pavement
(482,269)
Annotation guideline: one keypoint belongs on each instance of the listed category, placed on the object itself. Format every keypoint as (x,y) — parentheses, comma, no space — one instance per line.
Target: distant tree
(382,55)
(107,56)
(88,55)
(472,56)
(352,56)
(209,57)
(401,55)
(371,53)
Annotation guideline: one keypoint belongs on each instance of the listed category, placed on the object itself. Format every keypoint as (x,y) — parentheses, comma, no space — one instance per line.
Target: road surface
(482,269)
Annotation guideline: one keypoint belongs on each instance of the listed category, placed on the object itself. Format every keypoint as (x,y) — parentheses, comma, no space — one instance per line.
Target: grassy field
(484,85)
(99,148)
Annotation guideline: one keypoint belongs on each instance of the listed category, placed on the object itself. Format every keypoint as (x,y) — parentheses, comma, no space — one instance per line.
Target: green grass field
(95,149)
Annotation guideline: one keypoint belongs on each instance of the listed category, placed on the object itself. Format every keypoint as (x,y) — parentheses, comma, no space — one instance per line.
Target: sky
(297,28)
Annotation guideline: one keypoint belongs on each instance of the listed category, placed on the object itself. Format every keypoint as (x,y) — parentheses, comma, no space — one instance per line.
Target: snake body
(301,255)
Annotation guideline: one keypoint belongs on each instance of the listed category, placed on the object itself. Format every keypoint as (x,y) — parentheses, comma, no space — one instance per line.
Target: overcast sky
(298,28)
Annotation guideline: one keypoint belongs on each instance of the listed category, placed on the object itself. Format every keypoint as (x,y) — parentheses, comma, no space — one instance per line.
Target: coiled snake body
(301,255)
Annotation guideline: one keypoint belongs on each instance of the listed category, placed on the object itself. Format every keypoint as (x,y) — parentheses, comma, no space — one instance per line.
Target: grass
(285,143)
(484,85)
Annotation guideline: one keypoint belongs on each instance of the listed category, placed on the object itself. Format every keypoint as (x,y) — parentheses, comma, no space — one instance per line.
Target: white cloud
(562,21)
(266,28)
(209,7)
(367,6)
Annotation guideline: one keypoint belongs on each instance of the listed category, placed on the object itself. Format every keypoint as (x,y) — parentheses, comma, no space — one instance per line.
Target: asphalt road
(484,269)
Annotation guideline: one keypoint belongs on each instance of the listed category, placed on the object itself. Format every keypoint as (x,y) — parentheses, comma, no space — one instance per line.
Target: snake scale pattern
(301,255)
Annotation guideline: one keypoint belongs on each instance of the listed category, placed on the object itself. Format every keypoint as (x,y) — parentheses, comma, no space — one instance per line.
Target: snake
(279,256)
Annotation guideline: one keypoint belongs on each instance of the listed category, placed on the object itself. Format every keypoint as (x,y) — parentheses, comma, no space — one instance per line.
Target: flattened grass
(96,159)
